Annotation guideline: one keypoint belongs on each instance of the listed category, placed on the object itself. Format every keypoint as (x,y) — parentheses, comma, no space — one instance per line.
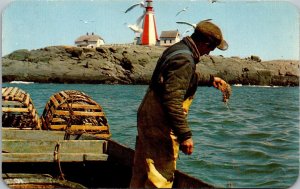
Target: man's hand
(223,87)
(219,83)
(187,146)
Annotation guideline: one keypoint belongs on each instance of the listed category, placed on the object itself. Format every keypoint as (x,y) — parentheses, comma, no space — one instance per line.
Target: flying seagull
(214,1)
(139,20)
(187,23)
(187,31)
(193,25)
(182,10)
(142,4)
(87,21)
(135,28)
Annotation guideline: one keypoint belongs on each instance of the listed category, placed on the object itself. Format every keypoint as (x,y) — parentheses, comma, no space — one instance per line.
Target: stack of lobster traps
(76,113)
(71,111)
(18,110)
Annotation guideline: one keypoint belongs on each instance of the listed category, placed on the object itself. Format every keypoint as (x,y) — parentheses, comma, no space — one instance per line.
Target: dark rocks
(132,64)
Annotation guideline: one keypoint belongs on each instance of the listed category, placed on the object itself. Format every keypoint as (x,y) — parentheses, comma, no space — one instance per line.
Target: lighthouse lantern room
(149,35)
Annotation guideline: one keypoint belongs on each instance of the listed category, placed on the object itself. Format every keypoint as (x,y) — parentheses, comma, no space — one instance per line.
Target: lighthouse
(149,35)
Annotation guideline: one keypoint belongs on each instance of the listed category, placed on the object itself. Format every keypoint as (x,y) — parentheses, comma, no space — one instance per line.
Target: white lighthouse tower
(149,35)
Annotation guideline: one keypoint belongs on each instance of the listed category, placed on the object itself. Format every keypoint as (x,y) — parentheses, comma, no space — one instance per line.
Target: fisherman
(162,115)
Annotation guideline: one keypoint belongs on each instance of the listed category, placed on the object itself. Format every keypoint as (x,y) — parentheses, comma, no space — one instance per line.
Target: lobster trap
(76,113)
(18,110)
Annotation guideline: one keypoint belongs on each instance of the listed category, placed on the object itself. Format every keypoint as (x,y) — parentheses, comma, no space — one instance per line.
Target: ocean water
(253,142)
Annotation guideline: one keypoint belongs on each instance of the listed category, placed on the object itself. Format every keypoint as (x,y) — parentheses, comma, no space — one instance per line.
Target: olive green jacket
(174,80)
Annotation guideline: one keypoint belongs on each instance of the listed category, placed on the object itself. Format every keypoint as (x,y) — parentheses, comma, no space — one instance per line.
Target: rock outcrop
(132,64)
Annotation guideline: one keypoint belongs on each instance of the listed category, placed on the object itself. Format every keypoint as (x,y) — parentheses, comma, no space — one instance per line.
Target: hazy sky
(269,29)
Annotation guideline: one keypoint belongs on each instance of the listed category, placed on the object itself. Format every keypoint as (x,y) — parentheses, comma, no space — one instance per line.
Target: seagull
(182,10)
(135,28)
(87,21)
(193,25)
(214,1)
(139,20)
(142,4)
(187,31)
(187,23)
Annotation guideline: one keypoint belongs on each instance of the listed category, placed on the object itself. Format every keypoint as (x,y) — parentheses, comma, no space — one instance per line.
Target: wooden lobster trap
(18,110)
(76,113)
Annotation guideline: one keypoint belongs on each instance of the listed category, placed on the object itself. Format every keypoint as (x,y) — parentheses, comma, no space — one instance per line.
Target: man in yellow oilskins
(162,115)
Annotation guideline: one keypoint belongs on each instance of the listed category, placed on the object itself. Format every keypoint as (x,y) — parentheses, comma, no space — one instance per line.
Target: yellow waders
(156,153)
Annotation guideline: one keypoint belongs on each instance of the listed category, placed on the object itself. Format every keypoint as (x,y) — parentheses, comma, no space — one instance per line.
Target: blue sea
(253,142)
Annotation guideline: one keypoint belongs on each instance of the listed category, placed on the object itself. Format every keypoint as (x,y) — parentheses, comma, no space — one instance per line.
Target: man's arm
(176,82)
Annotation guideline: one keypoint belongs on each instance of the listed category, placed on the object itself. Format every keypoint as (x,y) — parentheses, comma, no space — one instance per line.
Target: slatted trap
(75,112)
(18,110)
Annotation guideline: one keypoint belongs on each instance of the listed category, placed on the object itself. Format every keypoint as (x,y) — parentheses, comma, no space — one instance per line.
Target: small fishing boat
(72,150)
(85,159)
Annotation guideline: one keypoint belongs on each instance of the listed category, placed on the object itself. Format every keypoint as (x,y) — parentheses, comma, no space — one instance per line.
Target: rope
(57,159)
(72,97)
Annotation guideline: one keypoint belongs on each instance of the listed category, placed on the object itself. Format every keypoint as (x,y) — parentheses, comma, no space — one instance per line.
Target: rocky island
(134,64)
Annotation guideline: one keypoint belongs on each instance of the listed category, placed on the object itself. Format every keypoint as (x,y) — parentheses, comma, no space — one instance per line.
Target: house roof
(169,34)
(88,37)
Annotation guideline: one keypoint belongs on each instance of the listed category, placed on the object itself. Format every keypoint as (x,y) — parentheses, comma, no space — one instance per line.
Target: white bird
(187,23)
(142,4)
(87,21)
(193,25)
(139,20)
(214,1)
(182,10)
(135,28)
(187,31)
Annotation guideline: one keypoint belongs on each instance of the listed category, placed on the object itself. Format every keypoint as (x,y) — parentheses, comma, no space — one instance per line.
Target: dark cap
(211,32)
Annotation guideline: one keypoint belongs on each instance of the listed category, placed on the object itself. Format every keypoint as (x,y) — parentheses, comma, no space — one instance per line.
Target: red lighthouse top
(149,35)
(149,6)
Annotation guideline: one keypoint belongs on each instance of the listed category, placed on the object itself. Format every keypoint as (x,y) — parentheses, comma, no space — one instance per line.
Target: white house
(168,38)
(89,40)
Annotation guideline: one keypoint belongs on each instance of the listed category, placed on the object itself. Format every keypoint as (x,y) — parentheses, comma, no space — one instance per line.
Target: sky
(268,29)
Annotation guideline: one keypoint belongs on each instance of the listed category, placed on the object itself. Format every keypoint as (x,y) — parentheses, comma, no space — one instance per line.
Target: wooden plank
(78,113)
(30,107)
(13,92)
(56,104)
(65,146)
(49,157)
(64,94)
(47,106)
(19,93)
(22,97)
(3,90)
(7,91)
(59,97)
(26,102)
(52,110)
(8,134)
(9,109)
(83,106)
(58,119)
(80,127)
(11,103)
